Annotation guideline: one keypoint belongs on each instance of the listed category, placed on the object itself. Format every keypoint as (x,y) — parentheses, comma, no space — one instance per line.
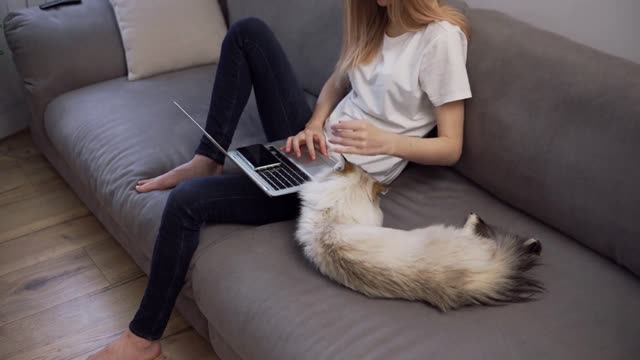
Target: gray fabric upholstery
(53,58)
(259,282)
(223,350)
(553,129)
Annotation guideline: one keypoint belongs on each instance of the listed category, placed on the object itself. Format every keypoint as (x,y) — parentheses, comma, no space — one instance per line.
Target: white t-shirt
(398,91)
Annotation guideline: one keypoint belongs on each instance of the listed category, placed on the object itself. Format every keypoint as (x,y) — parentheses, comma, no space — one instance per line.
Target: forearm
(332,92)
(445,150)
(440,151)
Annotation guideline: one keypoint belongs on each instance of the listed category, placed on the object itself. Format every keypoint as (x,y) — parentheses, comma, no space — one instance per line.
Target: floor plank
(78,326)
(15,185)
(38,170)
(66,287)
(12,175)
(16,194)
(26,177)
(50,243)
(30,215)
(18,146)
(47,284)
(114,263)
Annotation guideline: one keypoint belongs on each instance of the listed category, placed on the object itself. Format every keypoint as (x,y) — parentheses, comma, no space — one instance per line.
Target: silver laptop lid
(203,130)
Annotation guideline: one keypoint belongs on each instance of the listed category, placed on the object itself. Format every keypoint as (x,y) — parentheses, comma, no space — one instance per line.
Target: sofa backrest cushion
(310,32)
(59,50)
(553,128)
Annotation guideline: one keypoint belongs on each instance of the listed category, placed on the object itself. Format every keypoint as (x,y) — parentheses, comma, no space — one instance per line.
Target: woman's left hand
(361,138)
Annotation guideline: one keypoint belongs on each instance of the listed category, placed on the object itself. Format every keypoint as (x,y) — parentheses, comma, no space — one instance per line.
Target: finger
(355,135)
(349,125)
(322,141)
(310,147)
(347,142)
(350,150)
(297,141)
(289,142)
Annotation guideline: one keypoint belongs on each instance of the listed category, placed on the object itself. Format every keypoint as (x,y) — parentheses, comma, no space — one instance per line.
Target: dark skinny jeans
(251,57)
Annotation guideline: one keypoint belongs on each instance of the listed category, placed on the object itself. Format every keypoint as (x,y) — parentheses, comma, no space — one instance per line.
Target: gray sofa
(551,143)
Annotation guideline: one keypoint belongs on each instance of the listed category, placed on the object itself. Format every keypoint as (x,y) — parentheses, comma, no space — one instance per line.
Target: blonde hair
(365,23)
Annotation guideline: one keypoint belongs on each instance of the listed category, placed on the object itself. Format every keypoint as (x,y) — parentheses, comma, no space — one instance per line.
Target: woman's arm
(360,137)
(334,90)
(445,150)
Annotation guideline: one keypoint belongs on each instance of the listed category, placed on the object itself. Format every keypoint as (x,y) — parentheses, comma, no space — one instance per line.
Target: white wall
(612,26)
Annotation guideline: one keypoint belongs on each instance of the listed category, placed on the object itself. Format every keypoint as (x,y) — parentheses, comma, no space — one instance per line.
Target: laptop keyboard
(285,176)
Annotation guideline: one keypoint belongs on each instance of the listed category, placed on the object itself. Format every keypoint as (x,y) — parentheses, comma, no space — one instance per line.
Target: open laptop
(275,172)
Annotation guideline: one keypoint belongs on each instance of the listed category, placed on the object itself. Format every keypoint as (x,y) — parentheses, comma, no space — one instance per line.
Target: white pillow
(166,35)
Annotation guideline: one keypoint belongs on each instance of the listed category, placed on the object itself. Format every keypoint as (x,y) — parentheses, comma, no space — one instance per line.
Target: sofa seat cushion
(266,302)
(114,133)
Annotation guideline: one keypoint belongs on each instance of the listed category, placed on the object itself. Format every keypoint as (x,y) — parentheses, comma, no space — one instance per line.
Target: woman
(401,73)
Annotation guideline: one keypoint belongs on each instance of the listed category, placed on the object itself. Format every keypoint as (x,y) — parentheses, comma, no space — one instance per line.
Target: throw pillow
(166,35)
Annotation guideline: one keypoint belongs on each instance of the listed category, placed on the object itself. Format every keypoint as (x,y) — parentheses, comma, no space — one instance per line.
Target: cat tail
(389,263)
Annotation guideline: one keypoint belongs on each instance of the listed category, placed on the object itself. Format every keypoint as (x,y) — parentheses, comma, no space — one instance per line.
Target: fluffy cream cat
(340,231)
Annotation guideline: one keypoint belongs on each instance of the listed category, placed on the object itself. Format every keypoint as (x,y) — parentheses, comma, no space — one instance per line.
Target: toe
(144,181)
(159,183)
(146,187)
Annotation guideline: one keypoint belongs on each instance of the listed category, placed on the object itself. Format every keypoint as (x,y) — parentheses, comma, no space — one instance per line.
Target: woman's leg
(215,199)
(254,57)
(251,56)
(218,199)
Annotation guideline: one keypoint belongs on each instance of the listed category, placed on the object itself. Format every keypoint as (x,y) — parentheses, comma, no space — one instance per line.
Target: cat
(340,231)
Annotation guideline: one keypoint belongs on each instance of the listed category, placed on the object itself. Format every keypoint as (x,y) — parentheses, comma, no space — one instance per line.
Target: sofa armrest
(63,49)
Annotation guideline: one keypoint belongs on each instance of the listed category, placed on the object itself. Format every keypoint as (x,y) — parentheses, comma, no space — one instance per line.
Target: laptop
(275,172)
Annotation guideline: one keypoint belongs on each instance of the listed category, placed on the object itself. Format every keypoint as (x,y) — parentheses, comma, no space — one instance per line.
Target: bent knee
(251,27)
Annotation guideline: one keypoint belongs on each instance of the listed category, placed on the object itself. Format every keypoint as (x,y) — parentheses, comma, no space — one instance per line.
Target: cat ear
(347,168)
(475,225)
(472,221)
(378,188)
(533,246)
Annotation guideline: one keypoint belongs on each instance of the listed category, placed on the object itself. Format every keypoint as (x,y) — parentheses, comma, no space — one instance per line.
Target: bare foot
(199,166)
(129,347)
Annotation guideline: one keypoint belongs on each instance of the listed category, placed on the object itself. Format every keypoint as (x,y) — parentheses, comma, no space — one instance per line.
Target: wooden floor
(67,288)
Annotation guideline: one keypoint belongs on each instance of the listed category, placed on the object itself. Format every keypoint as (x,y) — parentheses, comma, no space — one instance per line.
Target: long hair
(365,23)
